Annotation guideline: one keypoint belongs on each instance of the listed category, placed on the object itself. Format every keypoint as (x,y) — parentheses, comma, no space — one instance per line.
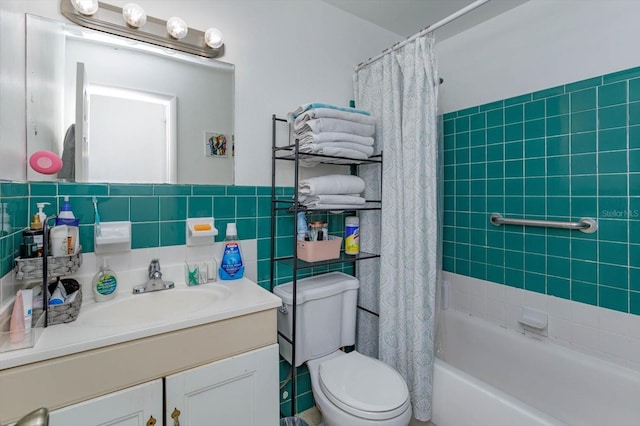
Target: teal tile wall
(158,214)
(13,219)
(562,153)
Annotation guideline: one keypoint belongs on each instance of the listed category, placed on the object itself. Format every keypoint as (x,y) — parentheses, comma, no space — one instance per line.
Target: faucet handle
(154,269)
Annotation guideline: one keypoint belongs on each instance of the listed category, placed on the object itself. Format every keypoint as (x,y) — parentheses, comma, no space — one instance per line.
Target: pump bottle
(104,283)
(41,213)
(66,216)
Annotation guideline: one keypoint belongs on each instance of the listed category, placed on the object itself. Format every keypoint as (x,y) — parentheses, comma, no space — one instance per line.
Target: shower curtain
(401,91)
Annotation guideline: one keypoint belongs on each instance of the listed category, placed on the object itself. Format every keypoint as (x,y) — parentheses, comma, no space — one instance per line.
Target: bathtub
(486,375)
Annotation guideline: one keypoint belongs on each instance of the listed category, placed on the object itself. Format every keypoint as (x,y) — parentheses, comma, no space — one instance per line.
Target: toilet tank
(325,317)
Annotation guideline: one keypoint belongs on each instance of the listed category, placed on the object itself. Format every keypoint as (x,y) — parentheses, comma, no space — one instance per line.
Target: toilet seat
(363,386)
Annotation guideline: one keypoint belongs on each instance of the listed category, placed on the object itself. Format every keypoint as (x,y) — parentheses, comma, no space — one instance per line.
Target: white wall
(539,45)
(286,53)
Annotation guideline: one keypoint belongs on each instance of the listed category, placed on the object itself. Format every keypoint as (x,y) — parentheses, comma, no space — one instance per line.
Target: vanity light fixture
(86,7)
(177,28)
(134,15)
(213,38)
(132,22)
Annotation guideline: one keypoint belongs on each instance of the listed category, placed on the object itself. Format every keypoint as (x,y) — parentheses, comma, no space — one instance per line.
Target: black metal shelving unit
(291,152)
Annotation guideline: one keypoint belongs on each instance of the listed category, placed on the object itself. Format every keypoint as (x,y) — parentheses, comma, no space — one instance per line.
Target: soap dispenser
(104,283)
(5,222)
(41,214)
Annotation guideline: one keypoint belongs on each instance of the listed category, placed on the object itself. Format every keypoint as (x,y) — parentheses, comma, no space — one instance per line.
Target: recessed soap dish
(200,231)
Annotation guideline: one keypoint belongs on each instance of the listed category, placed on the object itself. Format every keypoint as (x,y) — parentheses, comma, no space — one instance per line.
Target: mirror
(121,111)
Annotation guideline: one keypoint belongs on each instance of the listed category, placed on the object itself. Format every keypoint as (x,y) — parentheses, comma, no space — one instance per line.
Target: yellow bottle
(352,235)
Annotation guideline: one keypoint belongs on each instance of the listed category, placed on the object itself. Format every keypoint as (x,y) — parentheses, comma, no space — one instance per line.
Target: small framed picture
(216,145)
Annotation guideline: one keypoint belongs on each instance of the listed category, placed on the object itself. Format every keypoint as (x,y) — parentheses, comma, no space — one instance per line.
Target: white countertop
(239,297)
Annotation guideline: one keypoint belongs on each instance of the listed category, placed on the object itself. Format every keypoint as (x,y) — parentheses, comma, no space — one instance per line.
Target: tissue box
(315,251)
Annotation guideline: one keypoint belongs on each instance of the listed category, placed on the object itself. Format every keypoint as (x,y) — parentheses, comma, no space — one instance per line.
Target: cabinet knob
(176,417)
(151,421)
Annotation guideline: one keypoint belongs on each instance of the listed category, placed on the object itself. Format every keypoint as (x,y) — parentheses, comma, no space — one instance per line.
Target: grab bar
(586,224)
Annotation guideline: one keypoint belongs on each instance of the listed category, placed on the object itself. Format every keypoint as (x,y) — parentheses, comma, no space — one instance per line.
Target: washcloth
(331,184)
(360,152)
(312,161)
(310,137)
(366,150)
(335,125)
(321,199)
(337,208)
(333,113)
(305,107)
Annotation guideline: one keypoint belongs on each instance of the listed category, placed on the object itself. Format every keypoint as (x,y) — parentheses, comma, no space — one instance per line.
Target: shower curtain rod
(441,23)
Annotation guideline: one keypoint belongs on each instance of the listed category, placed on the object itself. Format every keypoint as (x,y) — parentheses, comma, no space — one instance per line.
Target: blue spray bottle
(231,265)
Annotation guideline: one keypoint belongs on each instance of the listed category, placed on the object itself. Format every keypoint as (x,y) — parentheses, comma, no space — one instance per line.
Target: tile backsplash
(158,216)
(563,153)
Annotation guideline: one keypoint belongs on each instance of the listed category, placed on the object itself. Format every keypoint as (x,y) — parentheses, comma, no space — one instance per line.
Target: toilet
(350,389)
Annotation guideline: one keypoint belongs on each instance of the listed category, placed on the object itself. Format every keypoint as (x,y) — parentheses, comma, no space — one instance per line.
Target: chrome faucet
(155,281)
(154,270)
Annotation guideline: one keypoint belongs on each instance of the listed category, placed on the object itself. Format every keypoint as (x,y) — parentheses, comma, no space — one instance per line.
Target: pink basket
(315,251)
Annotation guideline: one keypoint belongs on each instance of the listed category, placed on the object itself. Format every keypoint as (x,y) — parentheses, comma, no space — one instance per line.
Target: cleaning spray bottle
(231,266)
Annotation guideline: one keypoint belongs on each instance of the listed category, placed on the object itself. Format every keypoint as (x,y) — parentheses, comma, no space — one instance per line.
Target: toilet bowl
(355,390)
(350,389)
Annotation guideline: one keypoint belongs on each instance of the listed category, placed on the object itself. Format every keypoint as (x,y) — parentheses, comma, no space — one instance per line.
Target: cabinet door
(129,407)
(241,390)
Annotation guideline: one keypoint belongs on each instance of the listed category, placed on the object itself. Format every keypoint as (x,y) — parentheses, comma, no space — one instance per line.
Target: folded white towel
(310,137)
(333,113)
(309,161)
(347,156)
(335,125)
(339,149)
(314,200)
(331,184)
(366,150)
(306,107)
(335,207)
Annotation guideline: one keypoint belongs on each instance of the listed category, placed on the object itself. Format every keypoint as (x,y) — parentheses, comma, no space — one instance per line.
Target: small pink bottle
(16,326)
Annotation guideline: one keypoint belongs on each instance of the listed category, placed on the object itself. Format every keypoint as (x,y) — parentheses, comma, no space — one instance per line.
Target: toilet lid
(364,386)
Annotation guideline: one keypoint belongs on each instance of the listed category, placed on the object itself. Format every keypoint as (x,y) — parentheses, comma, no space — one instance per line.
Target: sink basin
(127,309)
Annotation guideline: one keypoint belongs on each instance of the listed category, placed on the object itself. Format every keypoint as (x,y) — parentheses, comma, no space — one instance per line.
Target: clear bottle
(231,265)
(5,220)
(104,283)
(302,226)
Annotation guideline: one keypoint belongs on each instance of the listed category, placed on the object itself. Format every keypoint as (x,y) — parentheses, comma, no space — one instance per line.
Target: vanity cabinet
(235,391)
(241,390)
(129,407)
(220,373)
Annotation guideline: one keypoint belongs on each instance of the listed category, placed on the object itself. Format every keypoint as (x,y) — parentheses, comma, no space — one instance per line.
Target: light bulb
(177,28)
(134,15)
(85,7)
(213,38)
